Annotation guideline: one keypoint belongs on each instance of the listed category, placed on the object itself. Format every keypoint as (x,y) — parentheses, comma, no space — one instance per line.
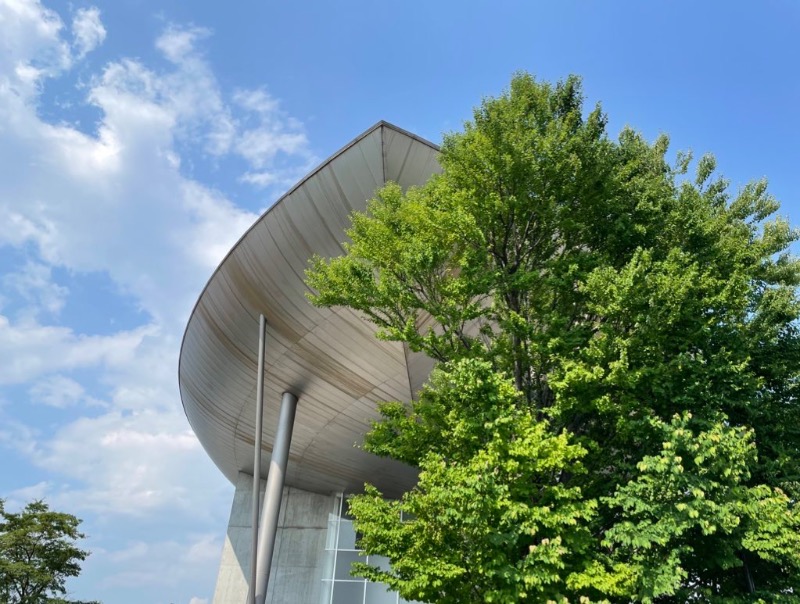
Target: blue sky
(139,139)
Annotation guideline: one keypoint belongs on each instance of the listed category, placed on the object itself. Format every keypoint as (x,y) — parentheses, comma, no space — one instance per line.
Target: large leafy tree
(614,414)
(38,553)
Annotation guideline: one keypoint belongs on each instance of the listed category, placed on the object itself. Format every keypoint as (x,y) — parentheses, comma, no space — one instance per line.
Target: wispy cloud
(32,45)
(88,31)
(33,281)
(32,350)
(61,392)
(164,561)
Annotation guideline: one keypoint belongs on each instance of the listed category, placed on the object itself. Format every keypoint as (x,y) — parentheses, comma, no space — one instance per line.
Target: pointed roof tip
(376,126)
(380,124)
(398,129)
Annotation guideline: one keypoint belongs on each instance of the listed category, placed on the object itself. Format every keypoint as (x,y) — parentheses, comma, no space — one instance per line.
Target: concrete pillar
(299,562)
(257,438)
(273,494)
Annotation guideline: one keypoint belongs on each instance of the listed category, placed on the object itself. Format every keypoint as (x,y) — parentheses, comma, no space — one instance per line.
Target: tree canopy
(614,413)
(38,553)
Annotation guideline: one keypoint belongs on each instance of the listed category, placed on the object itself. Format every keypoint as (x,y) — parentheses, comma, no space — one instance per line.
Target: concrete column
(262,349)
(233,577)
(272,495)
(300,562)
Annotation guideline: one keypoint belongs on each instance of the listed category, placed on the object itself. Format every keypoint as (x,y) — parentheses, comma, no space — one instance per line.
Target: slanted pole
(273,493)
(262,348)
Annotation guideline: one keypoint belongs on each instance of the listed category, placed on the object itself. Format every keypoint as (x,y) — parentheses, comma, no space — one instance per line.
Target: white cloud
(259,146)
(139,456)
(127,179)
(57,391)
(87,30)
(114,202)
(32,45)
(18,498)
(133,464)
(165,562)
(117,201)
(180,43)
(213,225)
(18,437)
(274,133)
(31,350)
(260,179)
(196,600)
(17,228)
(34,283)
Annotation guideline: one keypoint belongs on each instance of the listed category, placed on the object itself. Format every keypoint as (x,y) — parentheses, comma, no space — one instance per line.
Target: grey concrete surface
(299,563)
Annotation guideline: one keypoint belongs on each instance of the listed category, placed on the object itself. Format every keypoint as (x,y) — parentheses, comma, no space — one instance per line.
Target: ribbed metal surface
(329,358)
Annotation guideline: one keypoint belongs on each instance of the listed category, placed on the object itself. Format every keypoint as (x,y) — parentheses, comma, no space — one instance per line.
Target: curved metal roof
(329,358)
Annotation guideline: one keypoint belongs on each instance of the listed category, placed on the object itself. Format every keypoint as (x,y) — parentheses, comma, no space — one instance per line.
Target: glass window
(348,592)
(339,586)
(344,560)
(378,593)
(381,562)
(347,536)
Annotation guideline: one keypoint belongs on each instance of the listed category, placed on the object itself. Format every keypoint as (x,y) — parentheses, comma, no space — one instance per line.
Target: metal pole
(273,494)
(262,346)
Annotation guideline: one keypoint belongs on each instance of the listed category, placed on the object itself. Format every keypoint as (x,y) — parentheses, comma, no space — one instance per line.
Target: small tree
(615,412)
(38,553)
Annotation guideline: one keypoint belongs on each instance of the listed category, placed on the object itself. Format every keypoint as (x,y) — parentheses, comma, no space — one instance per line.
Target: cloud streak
(88,31)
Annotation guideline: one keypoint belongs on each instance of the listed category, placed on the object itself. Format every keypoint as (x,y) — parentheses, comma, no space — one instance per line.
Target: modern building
(323,372)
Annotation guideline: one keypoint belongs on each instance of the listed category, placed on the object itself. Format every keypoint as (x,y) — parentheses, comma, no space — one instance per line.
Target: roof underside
(329,358)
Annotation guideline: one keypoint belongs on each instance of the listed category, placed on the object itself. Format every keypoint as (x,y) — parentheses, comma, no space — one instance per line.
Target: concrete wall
(299,562)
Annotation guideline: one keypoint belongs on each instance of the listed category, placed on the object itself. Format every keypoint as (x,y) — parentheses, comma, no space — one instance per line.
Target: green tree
(614,412)
(38,554)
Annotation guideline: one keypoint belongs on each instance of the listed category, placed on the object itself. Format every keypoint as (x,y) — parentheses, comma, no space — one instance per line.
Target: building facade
(299,386)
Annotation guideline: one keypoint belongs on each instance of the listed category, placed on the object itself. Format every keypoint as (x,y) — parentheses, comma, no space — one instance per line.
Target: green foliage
(618,345)
(689,517)
(489,520)
(38,554)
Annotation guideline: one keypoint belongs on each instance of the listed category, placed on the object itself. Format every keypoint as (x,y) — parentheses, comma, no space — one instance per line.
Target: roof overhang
(329,358)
